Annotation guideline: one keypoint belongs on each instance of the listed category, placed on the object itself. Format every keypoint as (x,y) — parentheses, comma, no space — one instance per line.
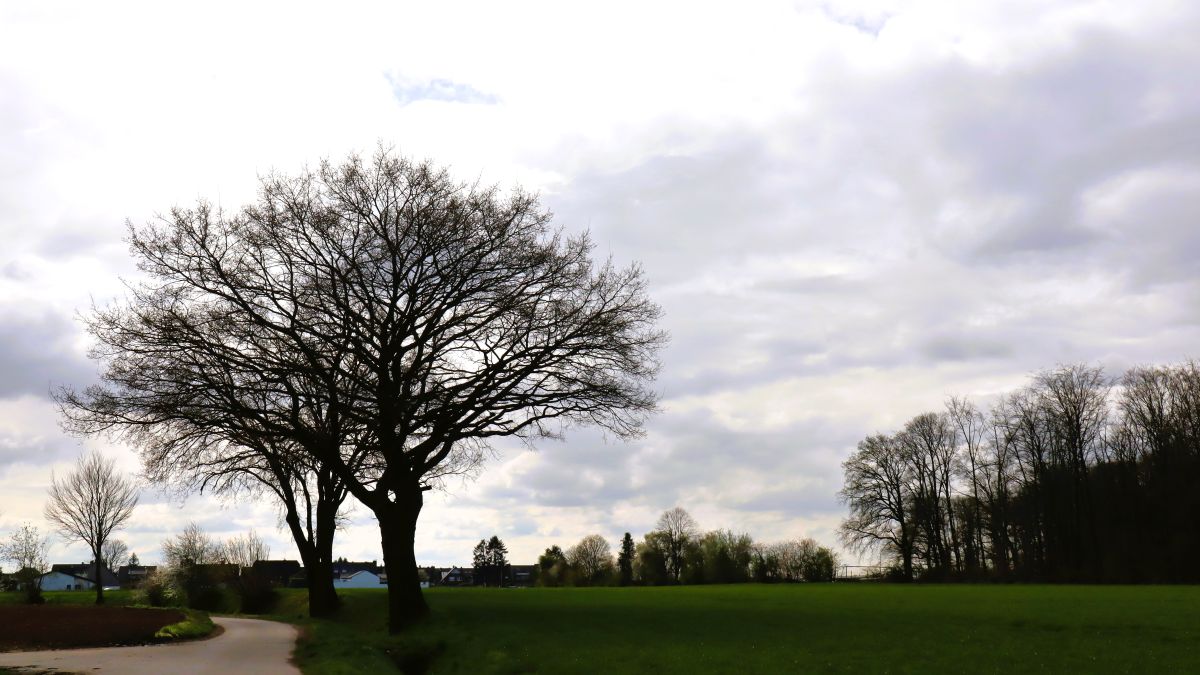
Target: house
(456,576)
(132,576)
(521,575)
(79,577)
(359,579)
(276,572)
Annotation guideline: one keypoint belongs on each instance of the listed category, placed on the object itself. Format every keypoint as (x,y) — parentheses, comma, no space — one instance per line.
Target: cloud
(407,91)
(38,352)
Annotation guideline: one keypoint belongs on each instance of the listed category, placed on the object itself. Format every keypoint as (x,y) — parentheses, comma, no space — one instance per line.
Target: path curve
(246,646)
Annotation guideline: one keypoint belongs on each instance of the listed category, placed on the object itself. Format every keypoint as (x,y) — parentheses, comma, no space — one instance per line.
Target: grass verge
(197,624)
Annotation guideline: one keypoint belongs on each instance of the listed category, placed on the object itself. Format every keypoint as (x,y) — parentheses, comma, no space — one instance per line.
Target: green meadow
(748,628)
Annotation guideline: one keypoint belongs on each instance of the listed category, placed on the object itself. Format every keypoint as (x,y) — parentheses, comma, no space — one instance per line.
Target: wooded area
(1077,477)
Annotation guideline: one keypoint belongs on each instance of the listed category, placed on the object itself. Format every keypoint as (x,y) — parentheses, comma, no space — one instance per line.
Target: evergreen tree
(498,558)
(481,561)
(625,560)
(552,567)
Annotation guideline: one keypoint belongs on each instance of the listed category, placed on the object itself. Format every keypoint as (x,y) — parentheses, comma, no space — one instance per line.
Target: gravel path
(246,646)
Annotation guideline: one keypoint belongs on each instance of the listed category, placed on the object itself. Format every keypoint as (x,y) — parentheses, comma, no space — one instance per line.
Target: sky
(847,210)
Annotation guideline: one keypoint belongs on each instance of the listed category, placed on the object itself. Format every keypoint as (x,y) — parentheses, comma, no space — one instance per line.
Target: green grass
(823,628)
(196,625)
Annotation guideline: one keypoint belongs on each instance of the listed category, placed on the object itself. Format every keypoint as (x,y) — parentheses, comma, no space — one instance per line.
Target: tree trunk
(398,529)
(96,567)
(318,567)
(322,598)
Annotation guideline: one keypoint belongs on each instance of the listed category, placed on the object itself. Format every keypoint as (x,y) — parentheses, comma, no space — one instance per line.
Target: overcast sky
(848,211)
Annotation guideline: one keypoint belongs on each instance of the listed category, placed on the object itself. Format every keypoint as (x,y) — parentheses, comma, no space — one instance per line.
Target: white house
(77,578)
(359,579)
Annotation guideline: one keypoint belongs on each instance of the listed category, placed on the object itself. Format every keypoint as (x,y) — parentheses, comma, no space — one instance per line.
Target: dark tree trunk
(322,598)
(398,529)
(96,567)
(318,567)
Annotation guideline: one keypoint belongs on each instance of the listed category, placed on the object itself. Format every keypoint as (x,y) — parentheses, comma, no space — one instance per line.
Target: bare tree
(91,503)
(193,546)
(971,429)
(381,320)
(114,553)
(879,491)
(27,549)
(591,558)
(678,529)
(245,550)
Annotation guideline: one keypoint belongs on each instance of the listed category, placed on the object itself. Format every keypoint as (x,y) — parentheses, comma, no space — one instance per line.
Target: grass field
(837,628)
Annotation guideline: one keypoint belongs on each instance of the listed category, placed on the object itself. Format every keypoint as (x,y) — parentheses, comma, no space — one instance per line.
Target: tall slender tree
(89,504)
(625,560)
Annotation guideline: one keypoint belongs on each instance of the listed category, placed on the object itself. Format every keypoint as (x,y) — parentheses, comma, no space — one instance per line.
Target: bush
(255,593)
(157,591)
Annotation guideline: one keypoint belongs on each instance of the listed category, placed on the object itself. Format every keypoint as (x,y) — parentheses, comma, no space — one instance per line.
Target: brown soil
(64,626)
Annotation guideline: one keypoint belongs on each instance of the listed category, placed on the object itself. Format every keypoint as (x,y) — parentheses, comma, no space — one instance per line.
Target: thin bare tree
(89,504)
(246,549)
(28,549)
(115,554)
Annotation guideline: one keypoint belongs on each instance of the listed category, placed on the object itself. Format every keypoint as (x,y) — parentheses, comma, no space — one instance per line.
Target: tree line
(678,552)
(1075,477)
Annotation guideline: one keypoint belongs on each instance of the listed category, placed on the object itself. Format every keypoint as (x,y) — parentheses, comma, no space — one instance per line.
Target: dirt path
(246,646)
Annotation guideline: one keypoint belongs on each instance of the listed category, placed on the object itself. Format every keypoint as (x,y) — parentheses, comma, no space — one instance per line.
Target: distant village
(278,573)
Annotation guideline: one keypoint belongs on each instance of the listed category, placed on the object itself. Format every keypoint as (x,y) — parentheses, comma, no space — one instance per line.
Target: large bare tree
(89,504)
(879,490)
(381,321)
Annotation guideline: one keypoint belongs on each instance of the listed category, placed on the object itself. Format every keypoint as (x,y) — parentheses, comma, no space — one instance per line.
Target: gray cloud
(38,352)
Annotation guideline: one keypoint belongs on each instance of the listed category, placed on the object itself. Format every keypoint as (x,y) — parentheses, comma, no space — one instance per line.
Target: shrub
(255,593)
(157,591)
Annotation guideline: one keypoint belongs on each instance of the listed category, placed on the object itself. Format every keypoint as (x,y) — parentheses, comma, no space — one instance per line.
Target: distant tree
(115,554)
(818,563)
(497,554)
(245,550)
(625,560)
(552,567)
(650,564)
(764,564)
(678,529)
(591,559)
(89,504)
(133,560)
(191,546)
(482,563)
(28,551)
(187,556)
(724,557)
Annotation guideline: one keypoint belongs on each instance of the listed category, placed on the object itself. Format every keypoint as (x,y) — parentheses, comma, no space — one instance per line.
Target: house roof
(86,572)
(351,575)
(127,572)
